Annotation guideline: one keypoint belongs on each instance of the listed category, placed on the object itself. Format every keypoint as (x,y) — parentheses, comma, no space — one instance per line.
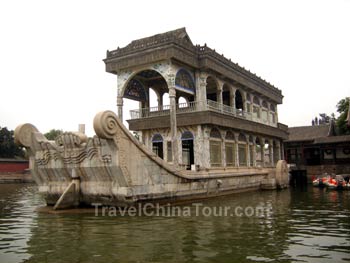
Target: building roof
(317,134)
(308,133)
(333,139)
(177,34)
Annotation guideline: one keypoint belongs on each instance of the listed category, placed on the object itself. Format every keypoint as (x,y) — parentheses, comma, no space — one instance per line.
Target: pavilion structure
(220,115)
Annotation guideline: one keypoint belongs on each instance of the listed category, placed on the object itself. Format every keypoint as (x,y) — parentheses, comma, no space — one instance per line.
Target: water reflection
(305,226)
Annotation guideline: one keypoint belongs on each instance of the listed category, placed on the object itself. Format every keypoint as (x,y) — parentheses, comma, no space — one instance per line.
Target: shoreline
(17,177)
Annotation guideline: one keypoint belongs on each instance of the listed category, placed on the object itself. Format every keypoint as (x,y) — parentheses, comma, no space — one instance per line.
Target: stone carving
(105,124)
(282,174)
(23,134)
(161,68)
(123,77)
(71,139)
(171,79)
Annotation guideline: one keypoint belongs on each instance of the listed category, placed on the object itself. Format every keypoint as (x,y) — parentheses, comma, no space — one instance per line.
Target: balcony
(198,106)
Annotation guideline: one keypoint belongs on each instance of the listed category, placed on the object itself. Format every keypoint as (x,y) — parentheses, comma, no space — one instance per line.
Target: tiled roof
(317,134)
(308,133)
(333,139)
(174,34)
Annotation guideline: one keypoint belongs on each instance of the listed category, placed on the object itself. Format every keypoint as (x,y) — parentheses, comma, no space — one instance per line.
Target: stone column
(173,126)
(282,151)
(248,151)
(205,154)
(199,147)
(272,162)
(147,104)
(278,148)
(219,95)
(244,98)
(201,90)
(160,102)
(236,150)
(232,98)
(262,146)
(223,149)
(233,104)
(276,114)
(254,151)
(260,109)
(120,108)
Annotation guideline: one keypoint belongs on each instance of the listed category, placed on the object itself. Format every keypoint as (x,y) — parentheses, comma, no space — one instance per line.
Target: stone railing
(194,106)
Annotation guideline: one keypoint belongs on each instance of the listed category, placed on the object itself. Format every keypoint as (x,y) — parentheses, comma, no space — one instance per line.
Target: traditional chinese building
(228,117)
(318,149)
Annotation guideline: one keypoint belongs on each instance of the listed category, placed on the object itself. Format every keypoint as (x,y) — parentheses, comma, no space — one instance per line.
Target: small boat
(316,182)
(337,183)
(320,182)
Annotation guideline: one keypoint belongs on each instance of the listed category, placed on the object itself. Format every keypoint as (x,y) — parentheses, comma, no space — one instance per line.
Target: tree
(343,109)
(8,148)
(53,134)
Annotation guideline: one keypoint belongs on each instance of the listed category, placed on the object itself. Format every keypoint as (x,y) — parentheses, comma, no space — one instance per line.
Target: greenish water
(312,225)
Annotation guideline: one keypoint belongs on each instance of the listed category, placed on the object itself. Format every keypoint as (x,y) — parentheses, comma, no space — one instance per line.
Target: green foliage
(343,108)
(53,134)
(8,148)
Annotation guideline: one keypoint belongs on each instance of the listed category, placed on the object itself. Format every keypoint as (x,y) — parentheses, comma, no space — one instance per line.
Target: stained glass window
(184,81)
(135,91)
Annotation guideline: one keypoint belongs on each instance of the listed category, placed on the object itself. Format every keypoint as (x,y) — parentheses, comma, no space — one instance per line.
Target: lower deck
(208,147)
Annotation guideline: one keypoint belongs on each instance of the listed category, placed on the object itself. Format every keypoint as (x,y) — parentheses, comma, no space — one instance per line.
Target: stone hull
(113,168)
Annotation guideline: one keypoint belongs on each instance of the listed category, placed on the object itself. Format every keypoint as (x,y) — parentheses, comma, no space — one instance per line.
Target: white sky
(52,74)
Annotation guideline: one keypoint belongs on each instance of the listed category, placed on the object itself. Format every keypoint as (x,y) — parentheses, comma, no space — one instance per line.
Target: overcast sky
(52,74)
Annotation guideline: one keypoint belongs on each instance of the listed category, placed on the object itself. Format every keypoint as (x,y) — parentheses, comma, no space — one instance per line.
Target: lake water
(309,225)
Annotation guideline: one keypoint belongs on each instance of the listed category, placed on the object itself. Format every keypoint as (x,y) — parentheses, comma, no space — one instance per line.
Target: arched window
(248,98)
(258,150)
(157,145)
(184,81)
(256,108)
(212,88)
(187,149)
(264,111)
(215,148)
(256,100)
(135,91)
(264,104)
(251,150)
(187,135)
(266,153)
(248,102)
(272,113)
(226,95)
(242,150)
(215,133)
(239,102)
(230,148)
(183,102)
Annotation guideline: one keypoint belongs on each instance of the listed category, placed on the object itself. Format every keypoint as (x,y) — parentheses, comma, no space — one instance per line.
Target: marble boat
(218,135)
(113,168)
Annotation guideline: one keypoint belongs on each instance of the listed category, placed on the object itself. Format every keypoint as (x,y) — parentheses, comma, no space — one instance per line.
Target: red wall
(10,167)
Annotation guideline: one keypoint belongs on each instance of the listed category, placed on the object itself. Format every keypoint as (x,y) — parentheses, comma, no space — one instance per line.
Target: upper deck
(176,46)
